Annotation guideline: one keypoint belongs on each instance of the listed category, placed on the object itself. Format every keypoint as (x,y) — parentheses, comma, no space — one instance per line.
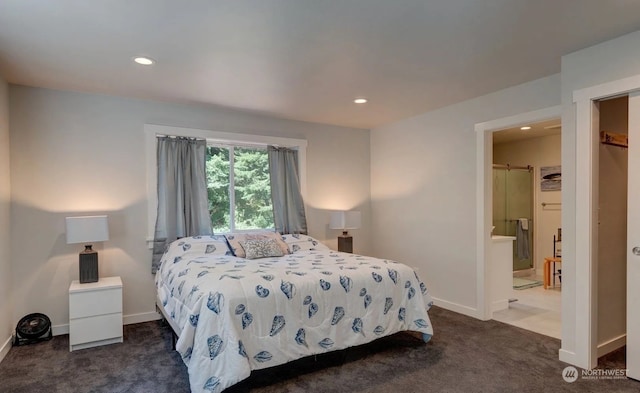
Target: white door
(633,240)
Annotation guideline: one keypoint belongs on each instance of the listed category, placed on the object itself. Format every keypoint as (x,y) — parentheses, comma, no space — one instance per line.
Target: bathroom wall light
(525,128)
(360,100)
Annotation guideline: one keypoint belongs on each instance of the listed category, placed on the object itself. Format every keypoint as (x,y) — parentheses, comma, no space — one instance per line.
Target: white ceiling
(538,130)
(302,59)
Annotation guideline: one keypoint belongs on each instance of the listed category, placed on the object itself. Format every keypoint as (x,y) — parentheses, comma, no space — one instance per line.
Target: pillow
(261,248)
(235,239)
(298,242)
(206,244)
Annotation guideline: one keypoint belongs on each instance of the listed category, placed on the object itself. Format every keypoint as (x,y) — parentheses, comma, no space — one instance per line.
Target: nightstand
(95,313)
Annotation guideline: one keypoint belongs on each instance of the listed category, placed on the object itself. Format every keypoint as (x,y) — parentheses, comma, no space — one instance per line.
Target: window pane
(252,189)
(218,188)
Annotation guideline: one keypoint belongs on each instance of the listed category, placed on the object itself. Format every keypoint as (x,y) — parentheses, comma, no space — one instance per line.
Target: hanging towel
(524,223)
(522,238)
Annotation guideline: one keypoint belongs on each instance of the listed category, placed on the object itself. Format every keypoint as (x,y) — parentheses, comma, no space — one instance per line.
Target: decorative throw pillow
(298,242)
(261,248)
(234,240)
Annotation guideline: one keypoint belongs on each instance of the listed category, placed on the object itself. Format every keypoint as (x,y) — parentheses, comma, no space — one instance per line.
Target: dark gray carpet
(465,355)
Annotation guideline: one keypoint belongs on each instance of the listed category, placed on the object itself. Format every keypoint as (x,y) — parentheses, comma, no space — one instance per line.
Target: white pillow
(205,244)
(298,242)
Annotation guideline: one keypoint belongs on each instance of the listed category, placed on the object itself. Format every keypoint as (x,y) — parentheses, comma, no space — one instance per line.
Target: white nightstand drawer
(95,311)
(103,327)
(87,304)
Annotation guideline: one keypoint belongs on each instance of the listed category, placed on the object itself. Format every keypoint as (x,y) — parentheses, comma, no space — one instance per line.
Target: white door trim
(484,195)
(632,337)
(586,348)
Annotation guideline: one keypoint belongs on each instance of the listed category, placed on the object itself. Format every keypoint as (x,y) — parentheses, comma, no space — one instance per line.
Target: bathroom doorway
(484,185)
(527,206)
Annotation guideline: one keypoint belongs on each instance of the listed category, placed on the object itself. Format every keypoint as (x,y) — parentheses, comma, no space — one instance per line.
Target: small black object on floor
(33,328)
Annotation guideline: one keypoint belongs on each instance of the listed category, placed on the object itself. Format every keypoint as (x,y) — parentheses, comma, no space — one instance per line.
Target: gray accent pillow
(234,240)
(261,248)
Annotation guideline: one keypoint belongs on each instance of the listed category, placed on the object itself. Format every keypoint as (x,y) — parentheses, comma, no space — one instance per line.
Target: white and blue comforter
(236,315)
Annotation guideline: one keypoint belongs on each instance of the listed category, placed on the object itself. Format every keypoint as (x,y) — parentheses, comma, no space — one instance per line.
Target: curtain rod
(179,136)
(230,143)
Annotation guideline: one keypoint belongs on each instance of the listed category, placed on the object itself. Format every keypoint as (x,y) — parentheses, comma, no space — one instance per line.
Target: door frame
(484,195)
(585,349)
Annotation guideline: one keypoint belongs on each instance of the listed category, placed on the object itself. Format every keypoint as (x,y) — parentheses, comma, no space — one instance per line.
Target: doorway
(611,264)
(580,346)
(526,161)
(484,191)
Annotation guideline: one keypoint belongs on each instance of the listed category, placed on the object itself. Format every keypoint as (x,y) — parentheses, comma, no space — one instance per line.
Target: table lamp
(345,220)
(87,230)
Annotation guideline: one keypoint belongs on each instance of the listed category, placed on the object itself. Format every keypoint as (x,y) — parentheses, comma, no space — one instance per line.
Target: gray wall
(75,153)
(6,320)
(423,190)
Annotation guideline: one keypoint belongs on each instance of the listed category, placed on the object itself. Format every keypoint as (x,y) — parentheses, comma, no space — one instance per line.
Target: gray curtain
(288,206)
(183,208)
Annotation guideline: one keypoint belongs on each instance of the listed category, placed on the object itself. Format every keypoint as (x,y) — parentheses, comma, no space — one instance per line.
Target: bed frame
(168,321)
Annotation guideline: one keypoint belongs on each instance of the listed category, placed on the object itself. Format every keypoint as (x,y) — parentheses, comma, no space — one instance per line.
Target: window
(215,140)
(239,188)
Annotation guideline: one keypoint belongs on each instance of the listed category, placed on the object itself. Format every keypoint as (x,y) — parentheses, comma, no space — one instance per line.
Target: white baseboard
(460,309)
(603,349)
(140,318)
(126,320)
(59,330)
(499,305)
(612,345)
(567,356)
(4,349)
(570,358)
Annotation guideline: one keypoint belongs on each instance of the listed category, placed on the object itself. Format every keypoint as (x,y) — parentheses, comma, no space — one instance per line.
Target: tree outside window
(239,189)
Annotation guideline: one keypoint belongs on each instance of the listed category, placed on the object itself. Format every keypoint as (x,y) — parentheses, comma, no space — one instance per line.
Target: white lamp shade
(345,220)
(87,229)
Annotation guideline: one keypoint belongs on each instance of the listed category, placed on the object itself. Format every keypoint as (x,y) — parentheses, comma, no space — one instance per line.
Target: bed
(236,314)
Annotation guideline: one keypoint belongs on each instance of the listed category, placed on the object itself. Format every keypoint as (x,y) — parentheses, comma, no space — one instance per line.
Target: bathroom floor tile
(536,309)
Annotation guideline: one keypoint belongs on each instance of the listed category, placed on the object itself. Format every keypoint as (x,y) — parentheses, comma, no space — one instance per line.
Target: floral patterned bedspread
(236,315)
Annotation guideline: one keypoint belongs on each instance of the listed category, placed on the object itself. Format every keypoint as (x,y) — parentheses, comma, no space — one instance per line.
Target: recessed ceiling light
(360,100)
(143,60)
(525,128)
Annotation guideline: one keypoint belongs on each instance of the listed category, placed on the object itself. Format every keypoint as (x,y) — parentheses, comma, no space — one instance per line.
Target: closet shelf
(614,139)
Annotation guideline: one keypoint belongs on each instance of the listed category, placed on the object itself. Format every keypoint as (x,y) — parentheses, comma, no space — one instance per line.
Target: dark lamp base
(88,266)
(345,243)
